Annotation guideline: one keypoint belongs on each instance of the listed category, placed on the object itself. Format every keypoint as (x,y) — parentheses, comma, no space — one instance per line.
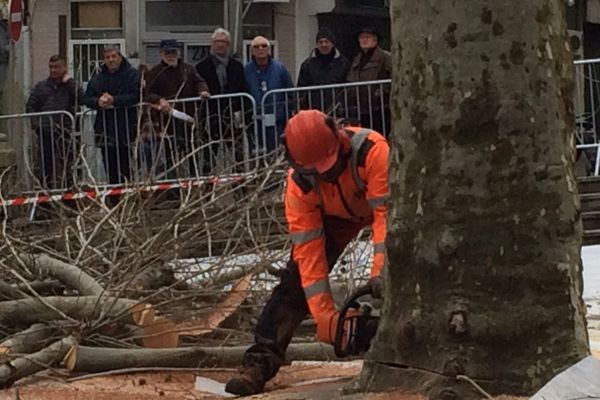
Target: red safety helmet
(312,144)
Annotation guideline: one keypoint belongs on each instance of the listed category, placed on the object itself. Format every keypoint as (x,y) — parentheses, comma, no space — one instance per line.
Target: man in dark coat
(325,66)
(225,75)
(56,148)
(114,91)
(174,79)
(370,64)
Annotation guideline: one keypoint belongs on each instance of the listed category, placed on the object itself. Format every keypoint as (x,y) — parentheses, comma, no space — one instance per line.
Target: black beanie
(325,33)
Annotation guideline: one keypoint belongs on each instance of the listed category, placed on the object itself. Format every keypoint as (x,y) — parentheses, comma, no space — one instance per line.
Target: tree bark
(10,292)
(16,369)
(99,359)
(68,274)
(25,312)
(484,229)
(30,340)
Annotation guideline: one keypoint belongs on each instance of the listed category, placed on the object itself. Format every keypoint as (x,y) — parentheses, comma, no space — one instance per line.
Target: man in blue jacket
(263,74)
(114,91)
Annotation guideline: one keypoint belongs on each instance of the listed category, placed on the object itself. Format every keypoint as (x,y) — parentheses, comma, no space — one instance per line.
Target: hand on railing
(105,101)
(162,105)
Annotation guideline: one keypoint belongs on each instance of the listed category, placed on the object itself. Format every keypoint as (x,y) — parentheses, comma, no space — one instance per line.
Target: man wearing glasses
(337,186)
(263,74)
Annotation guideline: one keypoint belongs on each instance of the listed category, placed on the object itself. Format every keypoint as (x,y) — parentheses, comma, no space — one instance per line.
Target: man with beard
(174,79)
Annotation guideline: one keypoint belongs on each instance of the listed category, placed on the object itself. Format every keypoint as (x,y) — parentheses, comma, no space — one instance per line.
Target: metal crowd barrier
(221,135)
(50,148)
(365,103)
(198,138)
(587,110)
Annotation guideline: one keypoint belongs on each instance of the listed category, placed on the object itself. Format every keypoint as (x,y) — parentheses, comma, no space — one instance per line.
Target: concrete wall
(296,26)
(44,34)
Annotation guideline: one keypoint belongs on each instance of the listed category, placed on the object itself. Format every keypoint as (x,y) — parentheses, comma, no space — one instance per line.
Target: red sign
(15,19)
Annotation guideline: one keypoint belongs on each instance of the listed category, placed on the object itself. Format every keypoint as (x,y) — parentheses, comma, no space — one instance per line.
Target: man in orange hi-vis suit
(337,185)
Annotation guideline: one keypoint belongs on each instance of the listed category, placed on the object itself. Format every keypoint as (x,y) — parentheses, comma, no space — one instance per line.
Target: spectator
(370,64)
(325,66)
(56,147)
(224,75)
(114,91)
(264,73)
(175,79)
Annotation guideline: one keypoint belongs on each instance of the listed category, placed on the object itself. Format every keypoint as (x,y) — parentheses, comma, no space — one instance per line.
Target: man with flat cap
(372,63)
(174,79)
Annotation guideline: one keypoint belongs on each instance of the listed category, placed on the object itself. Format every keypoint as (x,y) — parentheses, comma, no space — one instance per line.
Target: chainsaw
(357,324)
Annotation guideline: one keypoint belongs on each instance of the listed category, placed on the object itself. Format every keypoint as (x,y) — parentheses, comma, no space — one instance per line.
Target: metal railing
(587,110)
(365,103)
(198,138)
(216,136)
(49,149)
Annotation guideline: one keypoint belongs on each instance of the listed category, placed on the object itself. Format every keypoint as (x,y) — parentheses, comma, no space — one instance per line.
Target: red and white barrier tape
(117,191)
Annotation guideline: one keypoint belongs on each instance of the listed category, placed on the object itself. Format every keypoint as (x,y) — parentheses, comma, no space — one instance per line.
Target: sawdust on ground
(315,381)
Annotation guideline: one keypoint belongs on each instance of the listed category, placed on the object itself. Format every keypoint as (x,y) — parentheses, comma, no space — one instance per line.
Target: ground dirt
(315,381)
(303,380)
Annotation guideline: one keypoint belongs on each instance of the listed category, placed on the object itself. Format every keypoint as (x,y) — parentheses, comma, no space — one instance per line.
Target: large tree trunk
(484,223)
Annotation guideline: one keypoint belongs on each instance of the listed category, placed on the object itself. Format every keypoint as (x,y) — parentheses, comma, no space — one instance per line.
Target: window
(96,14)
(184,15)
(96,19)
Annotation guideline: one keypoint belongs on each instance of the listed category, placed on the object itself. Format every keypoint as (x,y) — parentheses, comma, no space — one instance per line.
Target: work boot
(246,381)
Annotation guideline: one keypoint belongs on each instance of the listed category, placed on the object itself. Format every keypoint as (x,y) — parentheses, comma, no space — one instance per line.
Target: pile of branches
(167,280)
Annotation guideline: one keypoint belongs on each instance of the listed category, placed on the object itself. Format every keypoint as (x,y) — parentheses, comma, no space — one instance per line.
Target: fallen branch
(10,292)
(28,341)
(47,285)
(16,369)
(98,359)
(68,274)
(31,310)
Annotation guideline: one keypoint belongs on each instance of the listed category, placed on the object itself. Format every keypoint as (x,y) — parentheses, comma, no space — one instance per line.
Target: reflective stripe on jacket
(358,196)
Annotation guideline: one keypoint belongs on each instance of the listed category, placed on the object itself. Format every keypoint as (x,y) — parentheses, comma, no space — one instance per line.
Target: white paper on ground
(581,381)
(206,385)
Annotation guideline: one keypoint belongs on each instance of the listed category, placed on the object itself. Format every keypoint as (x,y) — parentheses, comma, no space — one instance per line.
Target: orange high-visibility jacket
(364,188)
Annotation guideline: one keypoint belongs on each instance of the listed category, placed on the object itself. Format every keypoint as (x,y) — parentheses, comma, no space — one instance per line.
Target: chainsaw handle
(349,303)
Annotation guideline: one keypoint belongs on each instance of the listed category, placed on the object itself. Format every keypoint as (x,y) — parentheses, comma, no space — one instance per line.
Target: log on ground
(25,312)
(100,359)
(18,368)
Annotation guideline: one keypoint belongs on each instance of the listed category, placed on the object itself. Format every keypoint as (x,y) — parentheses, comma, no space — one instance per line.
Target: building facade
(79,28)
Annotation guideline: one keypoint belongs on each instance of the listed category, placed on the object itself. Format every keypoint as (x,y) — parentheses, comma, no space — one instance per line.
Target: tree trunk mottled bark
(484,223)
